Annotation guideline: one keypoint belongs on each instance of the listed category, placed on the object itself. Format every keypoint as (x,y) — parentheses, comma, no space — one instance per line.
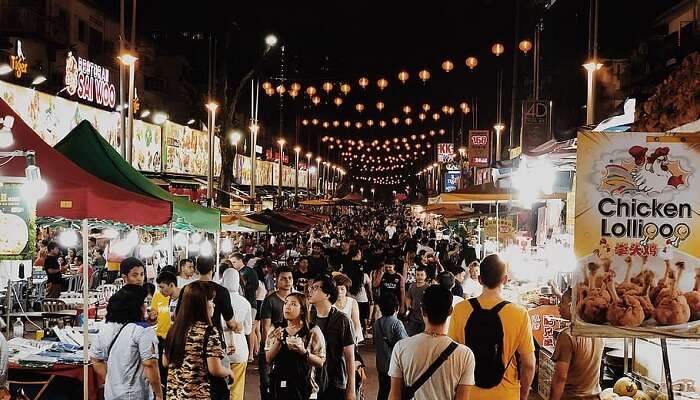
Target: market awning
(317,202)
(486,196)
(241,223)
(73,193)
(277,223)
(88,149)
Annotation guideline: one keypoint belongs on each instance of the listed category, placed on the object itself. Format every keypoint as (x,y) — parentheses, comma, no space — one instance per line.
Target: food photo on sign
(638,259)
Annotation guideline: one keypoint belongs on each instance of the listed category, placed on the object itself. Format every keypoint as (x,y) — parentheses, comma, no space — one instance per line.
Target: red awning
(74,193)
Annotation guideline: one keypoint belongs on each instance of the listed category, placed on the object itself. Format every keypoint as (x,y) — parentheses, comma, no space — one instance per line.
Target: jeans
(384,385)
(264,371)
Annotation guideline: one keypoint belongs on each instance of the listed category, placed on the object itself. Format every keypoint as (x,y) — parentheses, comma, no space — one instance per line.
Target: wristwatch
(307,354)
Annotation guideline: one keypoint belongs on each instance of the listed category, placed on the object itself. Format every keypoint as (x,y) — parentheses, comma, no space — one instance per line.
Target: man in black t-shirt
(302,275)
(249,280)
(318,264)
(54,279)
(222,299)
(340,342)
(387,280)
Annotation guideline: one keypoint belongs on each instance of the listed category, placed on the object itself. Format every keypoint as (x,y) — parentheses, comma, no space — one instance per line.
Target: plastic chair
(118,283)
(52,306)
(104,292)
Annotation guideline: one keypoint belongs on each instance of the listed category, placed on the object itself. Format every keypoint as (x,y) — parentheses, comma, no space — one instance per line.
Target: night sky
(342,41)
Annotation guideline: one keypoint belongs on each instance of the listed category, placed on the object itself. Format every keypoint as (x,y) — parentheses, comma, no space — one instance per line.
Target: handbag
(218,387)
(409,391)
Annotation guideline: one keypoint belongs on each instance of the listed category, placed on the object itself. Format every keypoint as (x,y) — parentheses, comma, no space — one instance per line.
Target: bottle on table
(18,328)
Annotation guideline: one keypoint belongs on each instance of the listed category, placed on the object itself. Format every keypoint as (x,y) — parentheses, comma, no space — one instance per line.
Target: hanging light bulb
(293,94)
(206,249)
(464,107)
(336,123)
(347,124)
(451,110)
(445,109)
(338,101)
(370,122)
(295,87)
(408,121)
(471,62)
(180,239)
(314,121)
(403,76)
(395,120)
(345,88)
(406,109)
(363,82)
(226,245)
(316,100)
(358,124)
(327,86)
(266,85)
(270,92)
(311,91)
(426,107)
(448,65)
(382,123)
(326,124)
(436,116)
(359,107)
(424,75)
(382,83)
(421,116)
(68,238)
(380,105)
(441,131)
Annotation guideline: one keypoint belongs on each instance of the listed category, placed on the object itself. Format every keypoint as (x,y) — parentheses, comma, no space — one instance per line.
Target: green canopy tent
(89,150)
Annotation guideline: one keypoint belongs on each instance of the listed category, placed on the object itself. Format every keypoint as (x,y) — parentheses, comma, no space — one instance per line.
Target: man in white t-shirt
(413,356)
(471,285)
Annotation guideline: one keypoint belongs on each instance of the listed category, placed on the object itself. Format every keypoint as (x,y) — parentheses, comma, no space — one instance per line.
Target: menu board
(186,150)
(17,222)
(636,221)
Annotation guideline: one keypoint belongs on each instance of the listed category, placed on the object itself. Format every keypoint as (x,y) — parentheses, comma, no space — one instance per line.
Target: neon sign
(18,61)
(89,81)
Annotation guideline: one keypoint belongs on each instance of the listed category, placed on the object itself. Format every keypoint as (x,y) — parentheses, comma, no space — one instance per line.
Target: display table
(19,375)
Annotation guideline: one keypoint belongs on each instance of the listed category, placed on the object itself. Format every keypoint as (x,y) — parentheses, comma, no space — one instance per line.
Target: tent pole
(86,278)
(217,244)
(498,244)
(171,254)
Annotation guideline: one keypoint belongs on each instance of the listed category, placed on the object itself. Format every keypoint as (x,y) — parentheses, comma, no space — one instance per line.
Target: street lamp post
(281,142)
(591,67)
(130,61)
(211,108)
(308,174)
(235,138)
(499,127)
(297,149)
(372,195)
(362,192)
(352,188)
(333,181)
(318,176)
(325,178)
(254,128)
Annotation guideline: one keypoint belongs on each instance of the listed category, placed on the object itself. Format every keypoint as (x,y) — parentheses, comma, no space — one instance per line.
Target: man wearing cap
(132,271)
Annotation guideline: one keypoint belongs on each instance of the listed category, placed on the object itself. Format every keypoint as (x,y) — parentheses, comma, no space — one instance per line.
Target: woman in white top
(243,315)
(348,306)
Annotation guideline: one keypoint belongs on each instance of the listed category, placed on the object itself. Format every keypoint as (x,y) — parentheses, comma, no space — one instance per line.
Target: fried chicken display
(671,306)
(639,278)
(644,299)
(625,310)
(627,286)
(693,298)
(664,283)
(593,301)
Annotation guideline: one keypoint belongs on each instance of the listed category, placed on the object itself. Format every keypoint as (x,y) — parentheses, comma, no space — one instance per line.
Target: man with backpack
(430,365)
(388,330)
(500,335)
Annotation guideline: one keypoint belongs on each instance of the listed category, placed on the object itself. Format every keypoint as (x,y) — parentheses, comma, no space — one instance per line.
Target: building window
(82,31)
(154,84)
(95,42)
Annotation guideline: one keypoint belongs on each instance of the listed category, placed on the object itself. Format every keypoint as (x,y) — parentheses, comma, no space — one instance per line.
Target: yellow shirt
(161,304)
(517,336)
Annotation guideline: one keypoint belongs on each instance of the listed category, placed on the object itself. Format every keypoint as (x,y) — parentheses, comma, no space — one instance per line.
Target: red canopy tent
(74,193)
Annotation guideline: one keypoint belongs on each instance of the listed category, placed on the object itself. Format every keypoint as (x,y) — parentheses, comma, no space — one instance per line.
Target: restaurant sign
(445,152)
(89,81)
(18,62)
(479,148)
(17,221)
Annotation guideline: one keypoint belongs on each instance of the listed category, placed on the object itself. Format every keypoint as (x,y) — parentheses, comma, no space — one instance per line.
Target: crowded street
(464,200)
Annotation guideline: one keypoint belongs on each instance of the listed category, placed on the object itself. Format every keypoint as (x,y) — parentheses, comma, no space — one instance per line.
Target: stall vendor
(54,278)
(577,362)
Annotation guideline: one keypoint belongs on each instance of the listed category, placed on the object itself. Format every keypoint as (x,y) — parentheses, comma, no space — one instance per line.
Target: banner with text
(479,148)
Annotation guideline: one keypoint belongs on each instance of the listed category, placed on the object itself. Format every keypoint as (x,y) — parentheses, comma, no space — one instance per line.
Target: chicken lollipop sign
(638,259)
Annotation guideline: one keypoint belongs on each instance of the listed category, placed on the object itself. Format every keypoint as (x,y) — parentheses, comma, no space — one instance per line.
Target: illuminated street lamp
(318,176)
(235,138)
(591,67)
(271,40)
(372,194)
(129,60)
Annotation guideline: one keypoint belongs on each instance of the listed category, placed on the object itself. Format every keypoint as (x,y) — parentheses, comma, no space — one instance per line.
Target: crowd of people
(300,306)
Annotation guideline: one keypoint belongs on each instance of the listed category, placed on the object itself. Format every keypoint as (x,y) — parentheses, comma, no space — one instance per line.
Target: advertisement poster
(536,128)
(445,152)
(636,232)
(186,150)
(451,181)
(146,151)
(479,148)
(503,226)
(17,222)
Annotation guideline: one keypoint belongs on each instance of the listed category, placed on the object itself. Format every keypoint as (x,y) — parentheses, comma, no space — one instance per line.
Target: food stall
(636,275)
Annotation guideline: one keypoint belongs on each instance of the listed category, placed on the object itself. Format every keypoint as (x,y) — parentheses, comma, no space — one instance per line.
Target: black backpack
(483,334)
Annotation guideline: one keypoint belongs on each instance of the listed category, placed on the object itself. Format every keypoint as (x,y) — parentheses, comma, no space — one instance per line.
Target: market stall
(77,195)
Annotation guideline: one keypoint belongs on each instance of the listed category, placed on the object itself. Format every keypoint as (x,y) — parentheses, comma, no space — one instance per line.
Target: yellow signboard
(637,202)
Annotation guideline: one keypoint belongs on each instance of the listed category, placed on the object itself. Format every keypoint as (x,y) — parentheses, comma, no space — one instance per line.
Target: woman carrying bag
(193,350)
(295,352)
